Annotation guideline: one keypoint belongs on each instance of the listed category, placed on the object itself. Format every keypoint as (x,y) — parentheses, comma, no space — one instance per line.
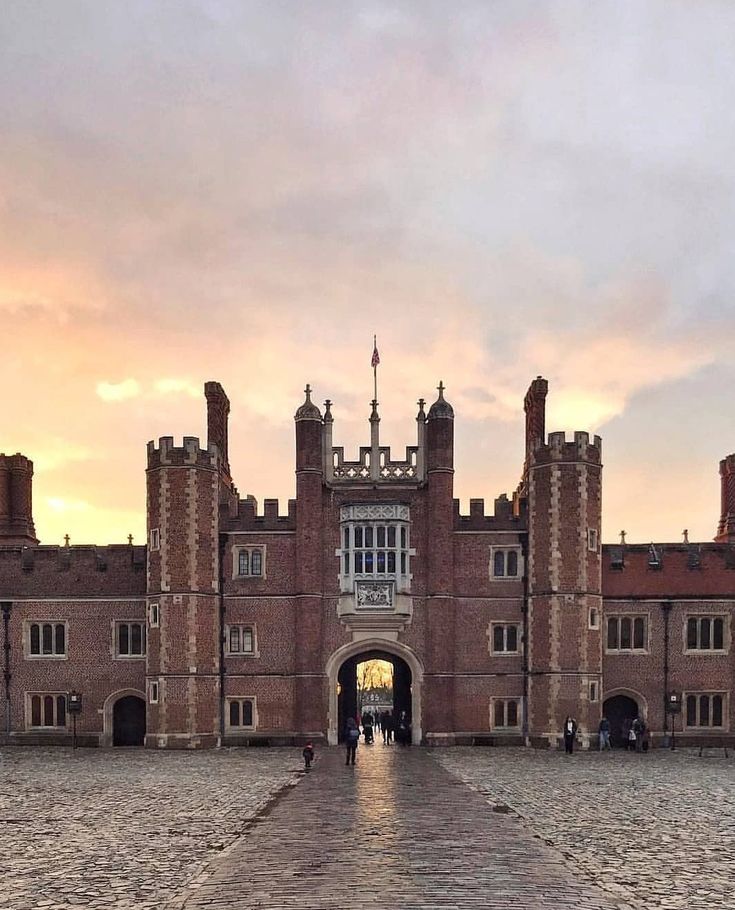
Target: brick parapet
(558,449)
(501,519)
(701,569)
(189,454)
(248,518)
(45,571)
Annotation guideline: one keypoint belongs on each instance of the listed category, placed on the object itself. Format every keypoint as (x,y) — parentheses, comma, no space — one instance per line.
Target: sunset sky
(247,191)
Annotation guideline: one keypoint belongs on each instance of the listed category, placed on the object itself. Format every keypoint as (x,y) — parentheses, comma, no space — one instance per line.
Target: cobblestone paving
(122,829)
(395,831)
(658,829)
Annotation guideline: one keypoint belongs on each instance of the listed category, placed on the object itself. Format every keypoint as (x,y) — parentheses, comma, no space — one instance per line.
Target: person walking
(352,736)
(387,725)
(604,731)
(308,753)
(570,732)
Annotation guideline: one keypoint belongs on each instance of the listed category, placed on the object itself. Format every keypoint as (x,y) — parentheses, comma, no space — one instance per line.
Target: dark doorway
(347,701)
(617,710)
(128,721)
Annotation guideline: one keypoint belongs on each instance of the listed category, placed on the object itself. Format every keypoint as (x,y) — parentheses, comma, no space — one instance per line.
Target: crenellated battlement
(501,519)
(248,517)
(16,462)
(558,448)
(68,571)
(388,470)
(189,454)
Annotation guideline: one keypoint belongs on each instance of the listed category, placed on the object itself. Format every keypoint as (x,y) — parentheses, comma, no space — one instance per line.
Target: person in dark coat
(308,753)
(352,736)
(387,725)
(570,732)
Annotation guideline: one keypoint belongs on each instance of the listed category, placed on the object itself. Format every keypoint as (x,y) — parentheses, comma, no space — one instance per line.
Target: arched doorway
(617,710)
(341,672)
(128,721)
(347,685)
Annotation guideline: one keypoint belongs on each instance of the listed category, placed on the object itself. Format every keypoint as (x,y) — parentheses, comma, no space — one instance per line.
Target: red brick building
(235,625)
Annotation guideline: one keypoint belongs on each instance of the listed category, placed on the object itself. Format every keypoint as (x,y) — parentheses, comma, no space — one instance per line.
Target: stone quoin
(239,626)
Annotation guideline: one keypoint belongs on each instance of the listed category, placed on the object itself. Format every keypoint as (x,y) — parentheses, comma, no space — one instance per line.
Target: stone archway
(621,705)
(369,648)
(124,718)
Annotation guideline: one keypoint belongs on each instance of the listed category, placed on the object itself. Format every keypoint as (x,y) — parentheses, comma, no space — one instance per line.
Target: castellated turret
(16,501)
(564,583)
(183,593)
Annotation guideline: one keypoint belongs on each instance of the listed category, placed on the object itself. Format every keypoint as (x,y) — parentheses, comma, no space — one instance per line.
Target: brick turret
(309,567)
(726,527)
(183,579)
(564,584)
(16,501)
(440,605)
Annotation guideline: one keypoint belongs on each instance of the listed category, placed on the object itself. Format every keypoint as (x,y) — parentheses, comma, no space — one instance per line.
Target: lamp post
(74,707)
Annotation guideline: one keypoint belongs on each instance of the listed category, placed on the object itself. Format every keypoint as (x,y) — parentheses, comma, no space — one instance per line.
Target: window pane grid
(47,639)
(375,549)
(627,633)
(705,633)
(705,710)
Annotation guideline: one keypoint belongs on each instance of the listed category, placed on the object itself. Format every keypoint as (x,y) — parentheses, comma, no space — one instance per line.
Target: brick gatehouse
(239,626)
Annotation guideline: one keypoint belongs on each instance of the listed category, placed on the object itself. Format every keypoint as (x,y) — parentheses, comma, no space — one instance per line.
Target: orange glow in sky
(247,192)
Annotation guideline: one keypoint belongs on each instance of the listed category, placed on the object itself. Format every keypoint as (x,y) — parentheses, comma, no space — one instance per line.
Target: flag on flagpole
(376,357)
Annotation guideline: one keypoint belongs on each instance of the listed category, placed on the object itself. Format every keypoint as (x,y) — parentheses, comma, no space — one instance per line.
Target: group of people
(633,732)
(398,728)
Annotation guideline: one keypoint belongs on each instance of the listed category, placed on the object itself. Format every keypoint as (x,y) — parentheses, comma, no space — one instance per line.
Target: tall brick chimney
(726,527)
(16,501)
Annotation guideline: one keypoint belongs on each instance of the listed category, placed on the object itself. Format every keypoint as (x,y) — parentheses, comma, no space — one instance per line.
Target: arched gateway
(408,678)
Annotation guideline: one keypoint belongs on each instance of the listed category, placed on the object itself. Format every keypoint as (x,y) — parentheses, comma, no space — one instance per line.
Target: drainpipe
(666,608)
(6,607)
(524,613)
(222,543)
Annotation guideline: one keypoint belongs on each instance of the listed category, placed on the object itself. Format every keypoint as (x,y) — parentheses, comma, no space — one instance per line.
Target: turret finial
(685,532)
(421,415)
(308,410)
(374,413)
(440,388)
(66,540)
(622,538)
(130,540)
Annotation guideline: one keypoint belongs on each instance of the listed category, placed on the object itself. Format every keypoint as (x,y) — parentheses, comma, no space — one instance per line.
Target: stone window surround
(593,691)
(725,726)
(247,655)
(154,614)
(707,652)
(241,698)
(27,623)
(116,623)
(593,540)
(593,618)
(240,548)
(154,690)
(505,700)
(504,624)
(645,616)
(506,549)
(154,539)
(43,728)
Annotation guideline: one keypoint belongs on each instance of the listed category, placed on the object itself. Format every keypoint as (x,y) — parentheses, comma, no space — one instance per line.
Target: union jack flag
(376,357)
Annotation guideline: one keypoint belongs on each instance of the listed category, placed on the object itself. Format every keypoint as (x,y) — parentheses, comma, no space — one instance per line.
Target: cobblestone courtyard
(657,829)
(123,829)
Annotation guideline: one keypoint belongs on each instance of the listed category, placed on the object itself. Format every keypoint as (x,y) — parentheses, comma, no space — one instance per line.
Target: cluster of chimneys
(16,505)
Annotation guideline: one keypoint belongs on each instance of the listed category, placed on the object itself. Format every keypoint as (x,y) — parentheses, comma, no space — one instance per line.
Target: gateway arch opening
(374,682)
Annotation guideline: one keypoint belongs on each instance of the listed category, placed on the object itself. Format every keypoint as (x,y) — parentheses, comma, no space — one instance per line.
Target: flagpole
(375,369)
